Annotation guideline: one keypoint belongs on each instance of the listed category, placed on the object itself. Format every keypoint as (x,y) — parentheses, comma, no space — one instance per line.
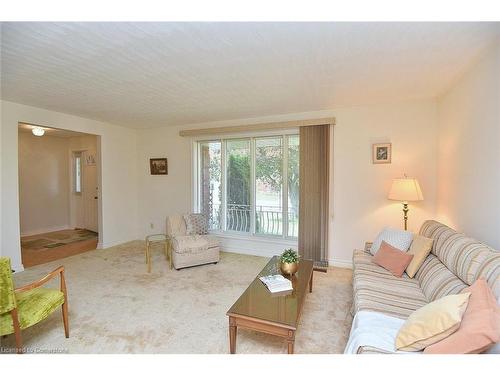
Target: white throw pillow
(400,239)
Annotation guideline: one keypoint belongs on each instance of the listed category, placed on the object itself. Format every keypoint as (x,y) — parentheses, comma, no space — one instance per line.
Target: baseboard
(244,252)
(340,263)
(45,230)
(105,245)
(18,268)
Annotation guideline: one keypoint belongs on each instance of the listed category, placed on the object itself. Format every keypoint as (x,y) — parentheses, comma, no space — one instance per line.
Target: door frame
(71,151)
(83,151)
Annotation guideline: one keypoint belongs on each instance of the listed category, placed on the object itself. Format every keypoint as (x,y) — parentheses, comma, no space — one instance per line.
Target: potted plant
(289,261)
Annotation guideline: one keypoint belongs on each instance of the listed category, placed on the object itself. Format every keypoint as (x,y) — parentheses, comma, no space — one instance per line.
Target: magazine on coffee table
(276,283)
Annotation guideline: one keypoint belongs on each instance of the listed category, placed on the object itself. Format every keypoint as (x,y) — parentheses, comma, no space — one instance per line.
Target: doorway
(85,190)
(58,193)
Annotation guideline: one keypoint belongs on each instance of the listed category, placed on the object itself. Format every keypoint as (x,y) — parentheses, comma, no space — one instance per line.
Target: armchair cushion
(189,244)
(7,299)
(33,306)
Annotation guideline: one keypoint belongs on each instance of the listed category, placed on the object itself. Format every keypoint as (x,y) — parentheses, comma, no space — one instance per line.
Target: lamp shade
(406,190)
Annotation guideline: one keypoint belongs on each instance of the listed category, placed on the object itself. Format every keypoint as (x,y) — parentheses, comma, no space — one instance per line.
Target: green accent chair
(26,306)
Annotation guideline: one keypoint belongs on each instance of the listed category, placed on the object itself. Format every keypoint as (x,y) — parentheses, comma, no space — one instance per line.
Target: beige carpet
(115,306)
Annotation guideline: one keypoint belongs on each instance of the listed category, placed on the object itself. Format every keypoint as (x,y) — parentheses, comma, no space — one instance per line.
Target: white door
(90,191)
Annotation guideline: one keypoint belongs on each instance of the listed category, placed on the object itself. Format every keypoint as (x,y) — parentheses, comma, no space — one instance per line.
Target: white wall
(360,188)
(469,174)
(469,152)
(358,196)
(43,183)
(117,148)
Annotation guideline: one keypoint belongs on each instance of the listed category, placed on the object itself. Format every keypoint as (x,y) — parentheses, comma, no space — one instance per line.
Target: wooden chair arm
(58,271)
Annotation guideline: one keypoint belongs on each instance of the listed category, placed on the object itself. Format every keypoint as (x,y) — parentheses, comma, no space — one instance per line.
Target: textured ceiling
(145,75)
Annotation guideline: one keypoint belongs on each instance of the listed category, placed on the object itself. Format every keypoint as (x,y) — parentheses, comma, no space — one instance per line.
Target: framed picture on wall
(158,166)
(382,153)
(90,159)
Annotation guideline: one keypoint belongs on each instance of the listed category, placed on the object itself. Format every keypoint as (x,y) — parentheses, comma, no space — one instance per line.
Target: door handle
(95,197)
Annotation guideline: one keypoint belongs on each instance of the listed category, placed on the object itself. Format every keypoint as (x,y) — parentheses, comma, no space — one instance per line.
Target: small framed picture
(382,153)
(90,159)
(158,166)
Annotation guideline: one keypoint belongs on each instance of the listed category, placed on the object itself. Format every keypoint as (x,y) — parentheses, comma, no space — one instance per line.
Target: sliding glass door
(250,185)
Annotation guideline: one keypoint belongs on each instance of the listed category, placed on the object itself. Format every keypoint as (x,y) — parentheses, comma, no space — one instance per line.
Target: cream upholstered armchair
(189,249)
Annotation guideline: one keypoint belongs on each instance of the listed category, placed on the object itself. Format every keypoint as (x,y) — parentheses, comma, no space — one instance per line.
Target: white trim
(254,245)
(278,240)
(19,268)
(105,245)
(223,176)
(249,134)
(253,185)
(340,263)
(45,230)
(284,191)
(195,194)
(257,253)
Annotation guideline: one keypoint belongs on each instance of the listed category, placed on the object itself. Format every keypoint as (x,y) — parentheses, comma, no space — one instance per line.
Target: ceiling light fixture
(38,131)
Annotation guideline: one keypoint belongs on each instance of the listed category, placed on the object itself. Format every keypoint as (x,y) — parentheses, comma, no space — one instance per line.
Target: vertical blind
(314,186)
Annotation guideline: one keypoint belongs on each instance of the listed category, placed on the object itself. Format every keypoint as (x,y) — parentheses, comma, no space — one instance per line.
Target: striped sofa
(455,262)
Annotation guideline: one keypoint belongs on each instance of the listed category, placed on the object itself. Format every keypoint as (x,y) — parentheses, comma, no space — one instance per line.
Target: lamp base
(405,214)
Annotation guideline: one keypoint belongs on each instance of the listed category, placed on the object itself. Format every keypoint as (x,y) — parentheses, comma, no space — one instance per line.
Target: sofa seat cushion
(436,280)
(376,289)
(32,307)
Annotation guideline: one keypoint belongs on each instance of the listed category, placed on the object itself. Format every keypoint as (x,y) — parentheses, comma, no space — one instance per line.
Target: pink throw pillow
(480,326)
(392,259)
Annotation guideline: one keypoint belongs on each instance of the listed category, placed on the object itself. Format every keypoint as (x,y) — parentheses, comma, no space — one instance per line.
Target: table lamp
(405,190)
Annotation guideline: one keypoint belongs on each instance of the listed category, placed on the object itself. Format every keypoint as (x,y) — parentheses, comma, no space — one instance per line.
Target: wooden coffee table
(276,314)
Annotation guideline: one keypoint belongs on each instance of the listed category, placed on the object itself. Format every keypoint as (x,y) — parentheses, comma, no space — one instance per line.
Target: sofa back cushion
(176,226)
(436,280)
(465,257)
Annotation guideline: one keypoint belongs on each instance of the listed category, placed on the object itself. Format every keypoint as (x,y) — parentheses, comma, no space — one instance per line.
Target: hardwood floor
(38,254)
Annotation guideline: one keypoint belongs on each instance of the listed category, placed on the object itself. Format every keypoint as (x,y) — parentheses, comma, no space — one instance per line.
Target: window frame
(77,155)
(196,187)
